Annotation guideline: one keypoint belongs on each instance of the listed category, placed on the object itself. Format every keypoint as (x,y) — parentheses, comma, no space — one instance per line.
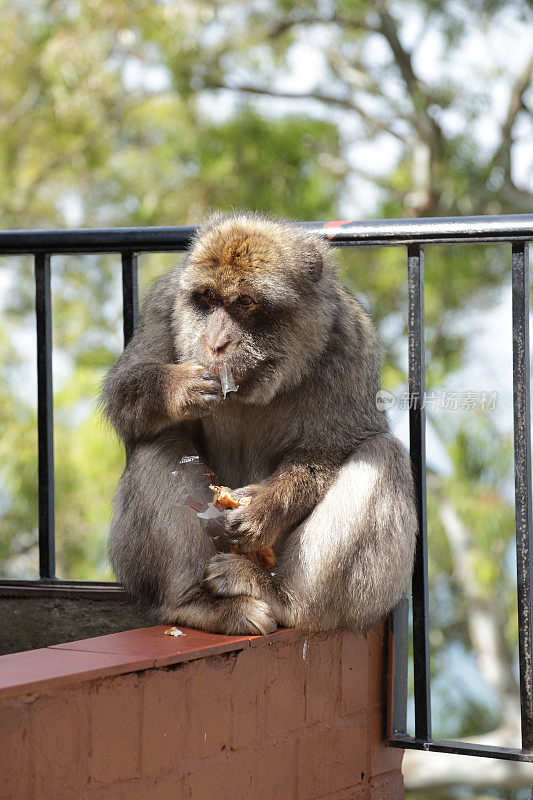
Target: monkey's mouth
(249,377)
(244,373)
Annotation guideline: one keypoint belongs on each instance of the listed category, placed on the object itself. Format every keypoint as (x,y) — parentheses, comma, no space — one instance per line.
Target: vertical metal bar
(45,417)
(130,298)
(400,655)
(417,437)
(522,472)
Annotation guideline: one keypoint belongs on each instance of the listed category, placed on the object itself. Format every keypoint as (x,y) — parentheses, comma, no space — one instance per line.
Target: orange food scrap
(224,498)
(264,557)
(174,632)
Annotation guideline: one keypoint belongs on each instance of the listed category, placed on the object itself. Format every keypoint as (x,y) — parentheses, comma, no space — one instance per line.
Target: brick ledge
(116,654)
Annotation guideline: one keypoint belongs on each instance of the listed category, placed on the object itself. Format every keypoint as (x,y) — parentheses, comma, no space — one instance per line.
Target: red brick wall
(298,718)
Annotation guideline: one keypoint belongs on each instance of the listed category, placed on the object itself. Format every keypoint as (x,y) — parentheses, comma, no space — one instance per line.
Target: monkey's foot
(248,616)
(229,575)
(233,616)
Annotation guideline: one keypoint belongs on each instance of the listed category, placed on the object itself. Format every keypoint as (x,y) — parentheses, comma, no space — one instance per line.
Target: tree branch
(339,102)
(313,19)
(426,126)
(425,195)
(356,76)
(516,102)
(502,156)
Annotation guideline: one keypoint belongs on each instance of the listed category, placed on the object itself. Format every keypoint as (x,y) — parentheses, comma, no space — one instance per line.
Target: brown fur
(332,489)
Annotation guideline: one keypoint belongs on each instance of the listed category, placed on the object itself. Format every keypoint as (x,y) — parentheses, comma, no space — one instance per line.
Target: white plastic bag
(194,494)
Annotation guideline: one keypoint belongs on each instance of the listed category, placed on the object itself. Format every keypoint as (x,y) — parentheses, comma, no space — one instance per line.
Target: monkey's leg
(159,549)
(348,563)
(233,616)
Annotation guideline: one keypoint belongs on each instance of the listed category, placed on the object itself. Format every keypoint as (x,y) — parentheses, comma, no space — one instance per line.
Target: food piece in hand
(224,498)
(264,557)
(250,556)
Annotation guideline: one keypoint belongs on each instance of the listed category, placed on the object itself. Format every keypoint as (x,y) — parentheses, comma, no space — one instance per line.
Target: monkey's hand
(142,399)
(277,505)
(193,391)
(256,525)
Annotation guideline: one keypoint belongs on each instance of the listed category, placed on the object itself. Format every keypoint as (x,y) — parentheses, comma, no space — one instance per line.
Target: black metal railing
(517,230)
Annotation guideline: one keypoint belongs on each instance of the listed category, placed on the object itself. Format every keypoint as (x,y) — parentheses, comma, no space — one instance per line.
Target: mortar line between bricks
(337,725)
(90,692)
(145,784)
(86,741)
(369,746)
(140,723)
(98,789)
(306,731)
(383,776)
(32,777)
(338,663)
(195,763)
(296,778)
(296,782)
(232,714)
(305,675)
(269,741)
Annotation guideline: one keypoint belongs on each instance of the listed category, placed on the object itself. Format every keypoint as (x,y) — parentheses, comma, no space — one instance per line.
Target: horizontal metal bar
(92,590)
(428,230)
(344,233)
(97,240)
(459,748)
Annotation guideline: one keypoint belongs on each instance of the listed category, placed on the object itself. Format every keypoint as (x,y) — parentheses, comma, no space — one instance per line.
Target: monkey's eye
(207,297)
(245,301)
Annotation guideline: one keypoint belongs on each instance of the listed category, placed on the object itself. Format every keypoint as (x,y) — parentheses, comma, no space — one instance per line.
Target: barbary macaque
(331,488)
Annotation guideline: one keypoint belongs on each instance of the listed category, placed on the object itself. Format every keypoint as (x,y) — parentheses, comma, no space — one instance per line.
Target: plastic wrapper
(194,495)
(197,494)
(226,380)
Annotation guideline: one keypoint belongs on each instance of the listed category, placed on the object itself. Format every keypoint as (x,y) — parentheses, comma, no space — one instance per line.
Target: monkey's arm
(282,502)
(147,389)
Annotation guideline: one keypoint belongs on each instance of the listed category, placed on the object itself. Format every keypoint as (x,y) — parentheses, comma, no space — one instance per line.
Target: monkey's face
(252,300)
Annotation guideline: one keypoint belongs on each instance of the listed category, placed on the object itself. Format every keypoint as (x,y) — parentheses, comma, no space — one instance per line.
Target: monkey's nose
(220,347)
